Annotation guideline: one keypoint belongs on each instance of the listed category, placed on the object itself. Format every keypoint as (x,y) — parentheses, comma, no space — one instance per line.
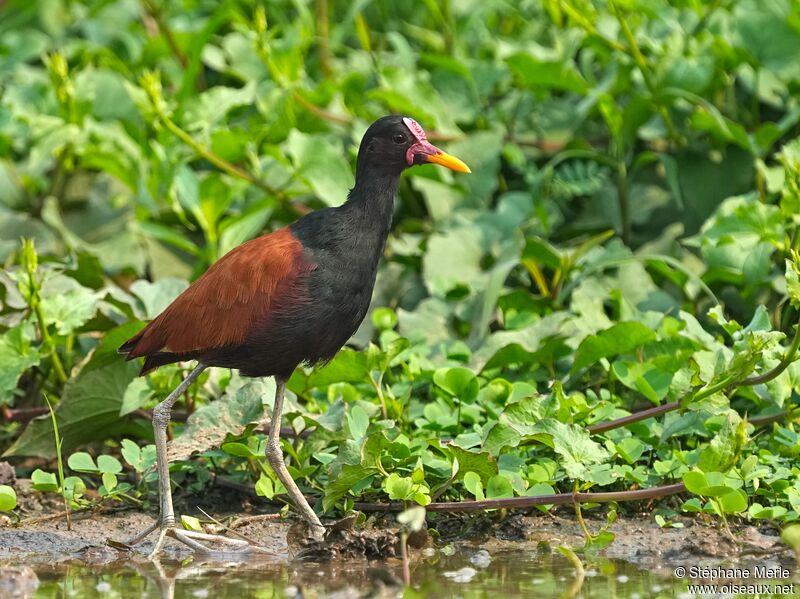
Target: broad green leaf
(647,379)
(498,487)
(109,481)
(733,502)
(132,454)
(137,395)
(81,461)
(157,296)
(349,477)
(89,407)
(265,487)
(108,463)
(67,304)
(207,427)
(398,487)
(621,338)
(346,366)
(321,163)
(358,422)
(473,484)
(17,355)
(459,382)
(238,449)
(44,481)
(572,443)
(546,75)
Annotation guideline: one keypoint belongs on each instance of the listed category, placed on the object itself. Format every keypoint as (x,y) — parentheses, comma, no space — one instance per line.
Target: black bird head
(393,143)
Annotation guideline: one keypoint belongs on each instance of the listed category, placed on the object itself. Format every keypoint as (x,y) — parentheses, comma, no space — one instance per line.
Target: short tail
(152,359)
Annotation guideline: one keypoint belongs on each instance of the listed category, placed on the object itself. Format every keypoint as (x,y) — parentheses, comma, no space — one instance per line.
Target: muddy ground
(41,536)
(42,533)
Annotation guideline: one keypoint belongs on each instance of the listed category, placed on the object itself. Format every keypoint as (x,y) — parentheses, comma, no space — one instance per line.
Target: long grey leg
(275,457)
(166,520)
(161,417)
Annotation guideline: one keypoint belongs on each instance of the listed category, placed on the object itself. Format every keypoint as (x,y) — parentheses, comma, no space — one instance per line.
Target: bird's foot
(228,546)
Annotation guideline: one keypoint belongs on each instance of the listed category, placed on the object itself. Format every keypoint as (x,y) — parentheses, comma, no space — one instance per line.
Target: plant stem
(60,463)
(36,306)
(785,362)
(155,13)
(580,573)
(641,62)
(218,161)
(579,516)
(623,200)
(404,555)
(323,38)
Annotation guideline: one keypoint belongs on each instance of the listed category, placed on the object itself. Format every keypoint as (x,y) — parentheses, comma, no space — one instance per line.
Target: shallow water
(469,573)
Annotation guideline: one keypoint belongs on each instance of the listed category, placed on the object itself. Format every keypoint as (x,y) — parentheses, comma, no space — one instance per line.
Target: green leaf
(67,304)
(358,422)
(621,338)
(647,379)
(109,481)
(384,319)
(265,487)
(191,523)
(157,296)
(398,487)
(499,487)
(8,498)
(573,444)
(793,280)
(723,450)
(81,462)
(207,427)
(137,395)
(481,464)
(472,483)
(350,476)
(459,382)
(543,75)
(89,409)
(791,536)
(108,463)
(16,355)
(44,481)
(321,163)
(346,366)
(238,449)
(733,502)
(132,454)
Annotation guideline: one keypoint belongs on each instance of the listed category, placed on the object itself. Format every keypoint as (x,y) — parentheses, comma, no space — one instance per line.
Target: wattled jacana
(293,296)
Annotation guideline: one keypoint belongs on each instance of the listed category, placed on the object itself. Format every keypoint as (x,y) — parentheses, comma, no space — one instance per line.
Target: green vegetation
(628,239)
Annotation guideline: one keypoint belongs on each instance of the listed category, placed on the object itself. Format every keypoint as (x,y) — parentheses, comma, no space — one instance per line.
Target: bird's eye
(399,138)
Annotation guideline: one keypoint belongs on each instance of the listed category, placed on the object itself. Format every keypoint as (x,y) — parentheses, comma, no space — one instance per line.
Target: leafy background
(634,198)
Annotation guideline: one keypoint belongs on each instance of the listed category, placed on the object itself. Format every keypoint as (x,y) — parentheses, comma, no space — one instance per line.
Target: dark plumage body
(292,296)
(298,294)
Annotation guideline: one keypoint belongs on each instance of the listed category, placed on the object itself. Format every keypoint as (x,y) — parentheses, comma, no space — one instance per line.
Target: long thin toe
(129,544)
(218,544)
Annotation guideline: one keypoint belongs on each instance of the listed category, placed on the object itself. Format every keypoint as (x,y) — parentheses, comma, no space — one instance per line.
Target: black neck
(371,200)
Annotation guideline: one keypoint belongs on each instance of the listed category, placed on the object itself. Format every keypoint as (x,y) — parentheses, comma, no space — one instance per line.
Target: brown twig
(524,502)
(602,427)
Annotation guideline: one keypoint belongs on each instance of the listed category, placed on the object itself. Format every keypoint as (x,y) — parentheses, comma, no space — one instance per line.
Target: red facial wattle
(428,152)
